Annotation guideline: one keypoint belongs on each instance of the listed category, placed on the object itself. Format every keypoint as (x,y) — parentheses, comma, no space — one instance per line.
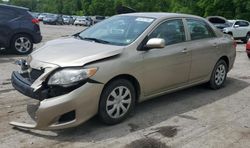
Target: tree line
(231,9)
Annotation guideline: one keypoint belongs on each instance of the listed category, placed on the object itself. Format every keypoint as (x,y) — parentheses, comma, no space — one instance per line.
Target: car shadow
(147,114)
(6,57)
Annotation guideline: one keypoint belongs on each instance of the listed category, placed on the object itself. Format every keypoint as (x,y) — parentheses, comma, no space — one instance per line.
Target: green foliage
(230,9)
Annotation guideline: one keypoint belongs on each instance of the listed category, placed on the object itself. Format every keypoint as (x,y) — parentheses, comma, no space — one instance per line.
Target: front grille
(35,74)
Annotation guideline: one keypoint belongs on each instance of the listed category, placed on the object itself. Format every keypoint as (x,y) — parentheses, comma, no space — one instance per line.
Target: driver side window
(171,31)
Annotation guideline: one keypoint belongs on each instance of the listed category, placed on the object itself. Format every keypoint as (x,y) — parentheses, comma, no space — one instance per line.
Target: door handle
(215,45)
(184,50)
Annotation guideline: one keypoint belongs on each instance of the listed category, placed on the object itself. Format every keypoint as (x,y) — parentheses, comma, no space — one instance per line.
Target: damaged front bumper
(64,110)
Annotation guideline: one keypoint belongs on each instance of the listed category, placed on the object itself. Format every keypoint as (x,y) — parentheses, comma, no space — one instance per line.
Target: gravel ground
(195,117)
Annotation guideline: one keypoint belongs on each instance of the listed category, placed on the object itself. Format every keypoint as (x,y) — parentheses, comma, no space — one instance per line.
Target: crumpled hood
(66,52)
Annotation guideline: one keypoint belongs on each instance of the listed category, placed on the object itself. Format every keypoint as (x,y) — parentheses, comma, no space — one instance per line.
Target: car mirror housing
(155,43)
(236,26)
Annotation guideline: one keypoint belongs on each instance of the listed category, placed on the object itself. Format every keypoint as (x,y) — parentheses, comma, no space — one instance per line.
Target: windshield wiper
(96,40)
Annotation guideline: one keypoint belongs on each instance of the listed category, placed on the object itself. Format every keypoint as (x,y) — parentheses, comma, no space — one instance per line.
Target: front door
(168,67)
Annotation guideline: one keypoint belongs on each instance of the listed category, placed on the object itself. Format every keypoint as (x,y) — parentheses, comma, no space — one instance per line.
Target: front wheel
(22,44)
(117,101)
(219,75)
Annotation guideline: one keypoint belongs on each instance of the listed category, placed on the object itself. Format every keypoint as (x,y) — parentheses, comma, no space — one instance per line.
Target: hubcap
(118,102)
(22,44)
(220,74)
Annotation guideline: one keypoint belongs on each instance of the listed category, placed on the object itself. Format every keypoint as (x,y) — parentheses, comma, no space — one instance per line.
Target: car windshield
(81,18)
(117,30)
(51,16)
(231,22)
(66,16)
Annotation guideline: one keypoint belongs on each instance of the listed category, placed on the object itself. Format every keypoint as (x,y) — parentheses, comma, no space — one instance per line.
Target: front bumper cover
(83,101)
(23,85)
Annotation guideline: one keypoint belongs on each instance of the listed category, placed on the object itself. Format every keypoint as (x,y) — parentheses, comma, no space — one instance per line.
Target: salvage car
(109,67)
(239,29)
(248,49)
(19,30)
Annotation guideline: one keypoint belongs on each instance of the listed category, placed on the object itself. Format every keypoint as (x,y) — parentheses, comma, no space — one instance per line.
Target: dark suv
(18,29)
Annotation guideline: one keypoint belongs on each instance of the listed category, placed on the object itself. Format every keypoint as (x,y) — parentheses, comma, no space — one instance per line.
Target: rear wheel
(230,33)
(22,44)
(247,38)
(219,75)
(117,101)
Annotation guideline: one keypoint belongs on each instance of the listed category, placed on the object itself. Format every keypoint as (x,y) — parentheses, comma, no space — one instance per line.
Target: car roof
(237,20)
(159,15)
(14,7)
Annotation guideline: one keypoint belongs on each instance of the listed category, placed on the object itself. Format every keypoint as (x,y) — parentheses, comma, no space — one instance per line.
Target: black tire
(247,38)
(21,50)
(248,56)
(214,82)
(106,94)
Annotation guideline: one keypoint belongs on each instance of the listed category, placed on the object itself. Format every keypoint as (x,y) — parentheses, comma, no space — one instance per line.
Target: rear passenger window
(242,23)
(199,29)
(171,31)
(6,14)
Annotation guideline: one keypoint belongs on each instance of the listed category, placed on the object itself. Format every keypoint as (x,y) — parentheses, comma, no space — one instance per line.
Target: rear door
(241,30)
(3,27)
(203,44)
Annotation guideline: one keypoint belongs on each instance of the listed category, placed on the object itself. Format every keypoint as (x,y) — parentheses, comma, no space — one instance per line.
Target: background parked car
(239,29)
(248,48)
(68,20)
(41,16)
(18,29)
(97,19)
(82,21)
(53,19)
(35,14)
(219,22)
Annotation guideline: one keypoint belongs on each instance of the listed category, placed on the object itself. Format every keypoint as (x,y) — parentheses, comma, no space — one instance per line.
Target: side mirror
(236,26)
(155,43)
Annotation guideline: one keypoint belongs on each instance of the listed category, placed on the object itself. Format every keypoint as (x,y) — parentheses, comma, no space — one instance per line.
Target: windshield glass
(66,16)
(81,18)
(118,30)
(51,16)
(231,22)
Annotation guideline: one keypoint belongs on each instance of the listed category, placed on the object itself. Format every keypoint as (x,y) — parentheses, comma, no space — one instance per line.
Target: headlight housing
(224,30)
(69,76)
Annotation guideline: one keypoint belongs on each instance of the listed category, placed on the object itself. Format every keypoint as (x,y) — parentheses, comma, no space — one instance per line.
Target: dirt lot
(196,117)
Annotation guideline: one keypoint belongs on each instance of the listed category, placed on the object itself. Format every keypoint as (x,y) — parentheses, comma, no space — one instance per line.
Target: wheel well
(225,58)
(231,33)
(131,79)
(21,33)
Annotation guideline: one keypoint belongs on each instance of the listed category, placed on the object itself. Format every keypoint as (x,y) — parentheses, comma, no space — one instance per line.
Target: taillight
(35,21)
(234,44)
(248,45)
